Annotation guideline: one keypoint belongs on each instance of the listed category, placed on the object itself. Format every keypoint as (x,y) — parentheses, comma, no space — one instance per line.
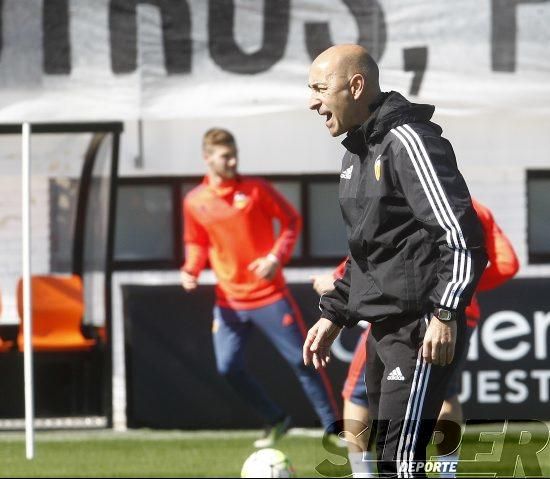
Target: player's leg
(354,394)
(357,427)
(449,431)
(282,324)
(412,392)
(374,371)
(449,423)
(450,411)
(229,333)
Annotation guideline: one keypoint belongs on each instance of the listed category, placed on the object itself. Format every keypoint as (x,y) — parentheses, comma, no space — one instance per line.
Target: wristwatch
(444,314)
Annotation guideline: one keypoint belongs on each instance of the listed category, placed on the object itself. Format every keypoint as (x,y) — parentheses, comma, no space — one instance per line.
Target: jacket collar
(388,111)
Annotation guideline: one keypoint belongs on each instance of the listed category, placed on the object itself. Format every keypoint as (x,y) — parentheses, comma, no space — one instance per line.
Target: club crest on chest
(240,200)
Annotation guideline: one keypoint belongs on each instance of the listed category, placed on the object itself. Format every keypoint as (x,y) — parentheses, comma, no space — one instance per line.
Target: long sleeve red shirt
(503,261)
(232,225)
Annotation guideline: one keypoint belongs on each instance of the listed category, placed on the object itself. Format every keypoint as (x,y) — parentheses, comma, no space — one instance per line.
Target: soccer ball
(267,463)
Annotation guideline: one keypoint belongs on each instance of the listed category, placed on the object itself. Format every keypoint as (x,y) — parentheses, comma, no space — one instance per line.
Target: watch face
(443,314)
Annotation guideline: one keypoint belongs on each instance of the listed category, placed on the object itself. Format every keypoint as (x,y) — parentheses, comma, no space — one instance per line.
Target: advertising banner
(172,373)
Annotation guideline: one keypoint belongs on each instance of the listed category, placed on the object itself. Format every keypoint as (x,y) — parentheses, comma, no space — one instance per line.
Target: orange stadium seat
(5,344)
(57,311)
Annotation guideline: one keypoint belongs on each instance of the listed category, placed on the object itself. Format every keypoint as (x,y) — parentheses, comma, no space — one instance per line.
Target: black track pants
(405,393)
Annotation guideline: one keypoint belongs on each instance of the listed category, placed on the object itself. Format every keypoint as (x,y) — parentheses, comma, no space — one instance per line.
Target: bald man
(416,252)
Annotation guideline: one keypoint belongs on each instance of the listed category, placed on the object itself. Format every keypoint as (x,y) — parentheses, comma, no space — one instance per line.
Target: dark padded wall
(172,381)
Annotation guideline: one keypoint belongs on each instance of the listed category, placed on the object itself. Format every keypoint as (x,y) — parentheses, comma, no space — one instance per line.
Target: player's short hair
(216,137)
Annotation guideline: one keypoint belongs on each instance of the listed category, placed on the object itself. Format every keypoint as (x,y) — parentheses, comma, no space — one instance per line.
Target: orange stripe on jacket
(324,376)
(357,366)
(232,225)
(339,271)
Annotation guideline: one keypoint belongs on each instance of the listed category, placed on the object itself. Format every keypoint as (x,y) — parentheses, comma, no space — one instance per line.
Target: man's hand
(264,267)
(188,281)
(439,342)
(322,283)
(318,342)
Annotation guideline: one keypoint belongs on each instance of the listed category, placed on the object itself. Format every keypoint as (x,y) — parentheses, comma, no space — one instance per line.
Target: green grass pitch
(145,453)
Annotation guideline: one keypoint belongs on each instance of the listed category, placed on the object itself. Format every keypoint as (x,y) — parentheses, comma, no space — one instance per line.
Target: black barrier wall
(173,383)
(171,374)
(67,384)
(507,374)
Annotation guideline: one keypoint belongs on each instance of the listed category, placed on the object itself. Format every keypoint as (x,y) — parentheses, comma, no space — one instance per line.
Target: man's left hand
(439,342)
(264,267)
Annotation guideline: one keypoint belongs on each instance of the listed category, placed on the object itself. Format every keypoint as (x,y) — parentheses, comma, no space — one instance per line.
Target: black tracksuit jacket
(415,241)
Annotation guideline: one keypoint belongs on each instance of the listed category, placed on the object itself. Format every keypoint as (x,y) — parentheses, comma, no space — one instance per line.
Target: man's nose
(314,103)
(232,161)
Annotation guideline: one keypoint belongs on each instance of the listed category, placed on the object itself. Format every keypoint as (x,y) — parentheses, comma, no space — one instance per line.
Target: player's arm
(426,173)
(503,261)
(323,283)
(290,221)
(196,244)
(340,270)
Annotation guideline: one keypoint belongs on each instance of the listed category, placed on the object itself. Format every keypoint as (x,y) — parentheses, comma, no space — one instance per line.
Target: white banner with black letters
(162,59)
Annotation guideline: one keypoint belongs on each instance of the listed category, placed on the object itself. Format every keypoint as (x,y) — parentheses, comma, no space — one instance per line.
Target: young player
(228,219)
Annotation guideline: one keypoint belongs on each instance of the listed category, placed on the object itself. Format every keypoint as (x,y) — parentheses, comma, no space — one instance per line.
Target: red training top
(232,225)
(503,262)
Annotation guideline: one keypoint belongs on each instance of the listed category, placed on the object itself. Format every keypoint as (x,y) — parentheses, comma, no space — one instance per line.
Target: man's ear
(357,85)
